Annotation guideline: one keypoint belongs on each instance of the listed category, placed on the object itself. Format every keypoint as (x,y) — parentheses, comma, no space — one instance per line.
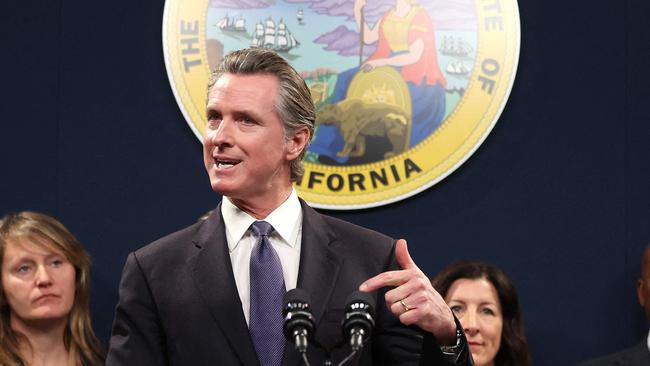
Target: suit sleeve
(432,355)
(397,344)
(137,337)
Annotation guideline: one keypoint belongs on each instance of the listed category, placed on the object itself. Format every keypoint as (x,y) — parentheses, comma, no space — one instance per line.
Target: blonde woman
(44,298)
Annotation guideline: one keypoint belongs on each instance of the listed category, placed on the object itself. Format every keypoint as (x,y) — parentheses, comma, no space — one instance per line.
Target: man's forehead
(230,80)
(243,94)
(236,86)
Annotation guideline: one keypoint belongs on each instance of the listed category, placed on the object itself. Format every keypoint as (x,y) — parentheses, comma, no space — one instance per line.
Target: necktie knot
(262,228)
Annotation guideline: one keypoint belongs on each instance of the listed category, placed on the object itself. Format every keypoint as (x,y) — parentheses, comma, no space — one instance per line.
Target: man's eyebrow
(248,113)
(245,114)
(211,111)
(214,109)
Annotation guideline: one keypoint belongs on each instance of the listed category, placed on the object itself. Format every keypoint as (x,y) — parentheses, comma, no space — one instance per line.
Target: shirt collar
(285,220)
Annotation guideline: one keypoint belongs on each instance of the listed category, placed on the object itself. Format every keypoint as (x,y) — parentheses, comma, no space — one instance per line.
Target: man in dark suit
(640,353)
(211,294)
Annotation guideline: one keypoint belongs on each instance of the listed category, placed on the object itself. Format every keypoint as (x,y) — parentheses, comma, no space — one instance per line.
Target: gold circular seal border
(390,180)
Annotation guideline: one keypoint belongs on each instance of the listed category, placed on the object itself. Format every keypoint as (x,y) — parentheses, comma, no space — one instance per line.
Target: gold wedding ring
(406,308)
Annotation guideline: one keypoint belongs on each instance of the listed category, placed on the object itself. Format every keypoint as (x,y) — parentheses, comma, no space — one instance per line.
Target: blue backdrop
(557,195)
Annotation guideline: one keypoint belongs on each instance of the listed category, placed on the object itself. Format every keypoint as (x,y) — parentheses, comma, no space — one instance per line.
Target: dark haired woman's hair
(514,347)
(78,337)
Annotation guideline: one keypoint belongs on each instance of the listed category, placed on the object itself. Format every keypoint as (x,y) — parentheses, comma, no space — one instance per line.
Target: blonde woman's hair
(79,338)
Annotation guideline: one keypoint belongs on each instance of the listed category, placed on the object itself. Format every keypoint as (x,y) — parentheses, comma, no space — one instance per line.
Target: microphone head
(359,313)
(360,299)
(295,298)
(297,314)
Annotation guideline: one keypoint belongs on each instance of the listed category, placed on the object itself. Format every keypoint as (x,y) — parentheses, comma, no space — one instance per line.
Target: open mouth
(225,163)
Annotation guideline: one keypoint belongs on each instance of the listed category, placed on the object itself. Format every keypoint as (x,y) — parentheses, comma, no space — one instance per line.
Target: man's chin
(223,188)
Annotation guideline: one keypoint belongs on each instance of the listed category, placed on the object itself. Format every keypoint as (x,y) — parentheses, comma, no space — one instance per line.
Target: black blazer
(179,305)
(638,355)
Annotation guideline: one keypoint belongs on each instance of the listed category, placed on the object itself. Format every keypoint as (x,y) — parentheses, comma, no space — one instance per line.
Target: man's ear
(297,142)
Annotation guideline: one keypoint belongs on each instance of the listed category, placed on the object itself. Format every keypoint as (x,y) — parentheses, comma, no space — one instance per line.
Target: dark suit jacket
(179,304)
(633,356)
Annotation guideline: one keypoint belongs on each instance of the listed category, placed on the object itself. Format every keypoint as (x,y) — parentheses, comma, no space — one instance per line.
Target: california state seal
(405,90)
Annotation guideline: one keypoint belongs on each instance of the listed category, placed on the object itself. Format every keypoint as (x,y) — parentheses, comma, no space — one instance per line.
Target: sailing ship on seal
(455,47)
(300,16)
(231,24)
(277,38)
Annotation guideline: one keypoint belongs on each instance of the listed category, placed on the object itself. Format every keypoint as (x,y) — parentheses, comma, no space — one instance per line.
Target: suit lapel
(211,270)
(319,264)
(319,268)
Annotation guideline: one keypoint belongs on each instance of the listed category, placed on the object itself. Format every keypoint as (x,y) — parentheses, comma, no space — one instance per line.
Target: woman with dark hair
(44,298)
(486,303)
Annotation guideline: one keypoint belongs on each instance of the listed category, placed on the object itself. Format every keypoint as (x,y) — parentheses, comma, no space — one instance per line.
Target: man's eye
(57,263)
(213,123)
(214,117)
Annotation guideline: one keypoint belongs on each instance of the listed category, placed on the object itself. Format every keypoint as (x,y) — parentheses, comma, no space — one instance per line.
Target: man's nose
(222,135)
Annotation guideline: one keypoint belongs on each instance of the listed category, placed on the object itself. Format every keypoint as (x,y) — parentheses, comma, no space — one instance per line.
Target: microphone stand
(352,354)
(347,359)
(328,354)
(305,359)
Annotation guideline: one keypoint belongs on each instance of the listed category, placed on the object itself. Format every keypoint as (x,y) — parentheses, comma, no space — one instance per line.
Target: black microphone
(359,319)
(298,321)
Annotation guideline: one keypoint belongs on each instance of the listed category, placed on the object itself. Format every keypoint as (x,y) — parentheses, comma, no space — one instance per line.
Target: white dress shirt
(286,240)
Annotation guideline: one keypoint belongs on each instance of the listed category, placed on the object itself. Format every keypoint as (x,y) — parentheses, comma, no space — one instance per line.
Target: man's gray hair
(294,104)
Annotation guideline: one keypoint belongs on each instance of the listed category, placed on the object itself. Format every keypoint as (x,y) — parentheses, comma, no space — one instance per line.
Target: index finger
(389,278)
